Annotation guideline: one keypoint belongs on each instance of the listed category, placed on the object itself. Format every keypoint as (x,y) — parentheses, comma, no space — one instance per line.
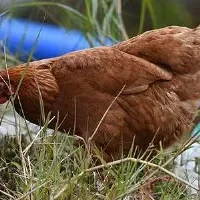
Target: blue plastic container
(22,36)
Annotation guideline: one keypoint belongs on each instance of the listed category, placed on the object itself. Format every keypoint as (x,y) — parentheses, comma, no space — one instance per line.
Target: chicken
(144,90)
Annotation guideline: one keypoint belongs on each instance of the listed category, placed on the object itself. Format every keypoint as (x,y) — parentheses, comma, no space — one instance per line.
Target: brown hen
(155,77)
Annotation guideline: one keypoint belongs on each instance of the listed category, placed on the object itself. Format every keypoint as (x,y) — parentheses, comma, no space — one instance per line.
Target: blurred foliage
(100,18)
(173,12)
(138,15)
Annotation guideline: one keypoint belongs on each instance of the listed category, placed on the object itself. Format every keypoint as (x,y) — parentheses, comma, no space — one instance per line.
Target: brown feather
(159,69)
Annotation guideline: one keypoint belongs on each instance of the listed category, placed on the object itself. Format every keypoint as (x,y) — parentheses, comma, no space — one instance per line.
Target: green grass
(60,166)
(56,167)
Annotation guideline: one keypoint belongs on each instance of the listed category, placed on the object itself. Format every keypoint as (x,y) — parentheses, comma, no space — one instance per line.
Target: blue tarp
(22,36)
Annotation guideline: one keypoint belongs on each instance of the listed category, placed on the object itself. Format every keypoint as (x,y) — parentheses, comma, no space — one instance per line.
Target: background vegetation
(52,167)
